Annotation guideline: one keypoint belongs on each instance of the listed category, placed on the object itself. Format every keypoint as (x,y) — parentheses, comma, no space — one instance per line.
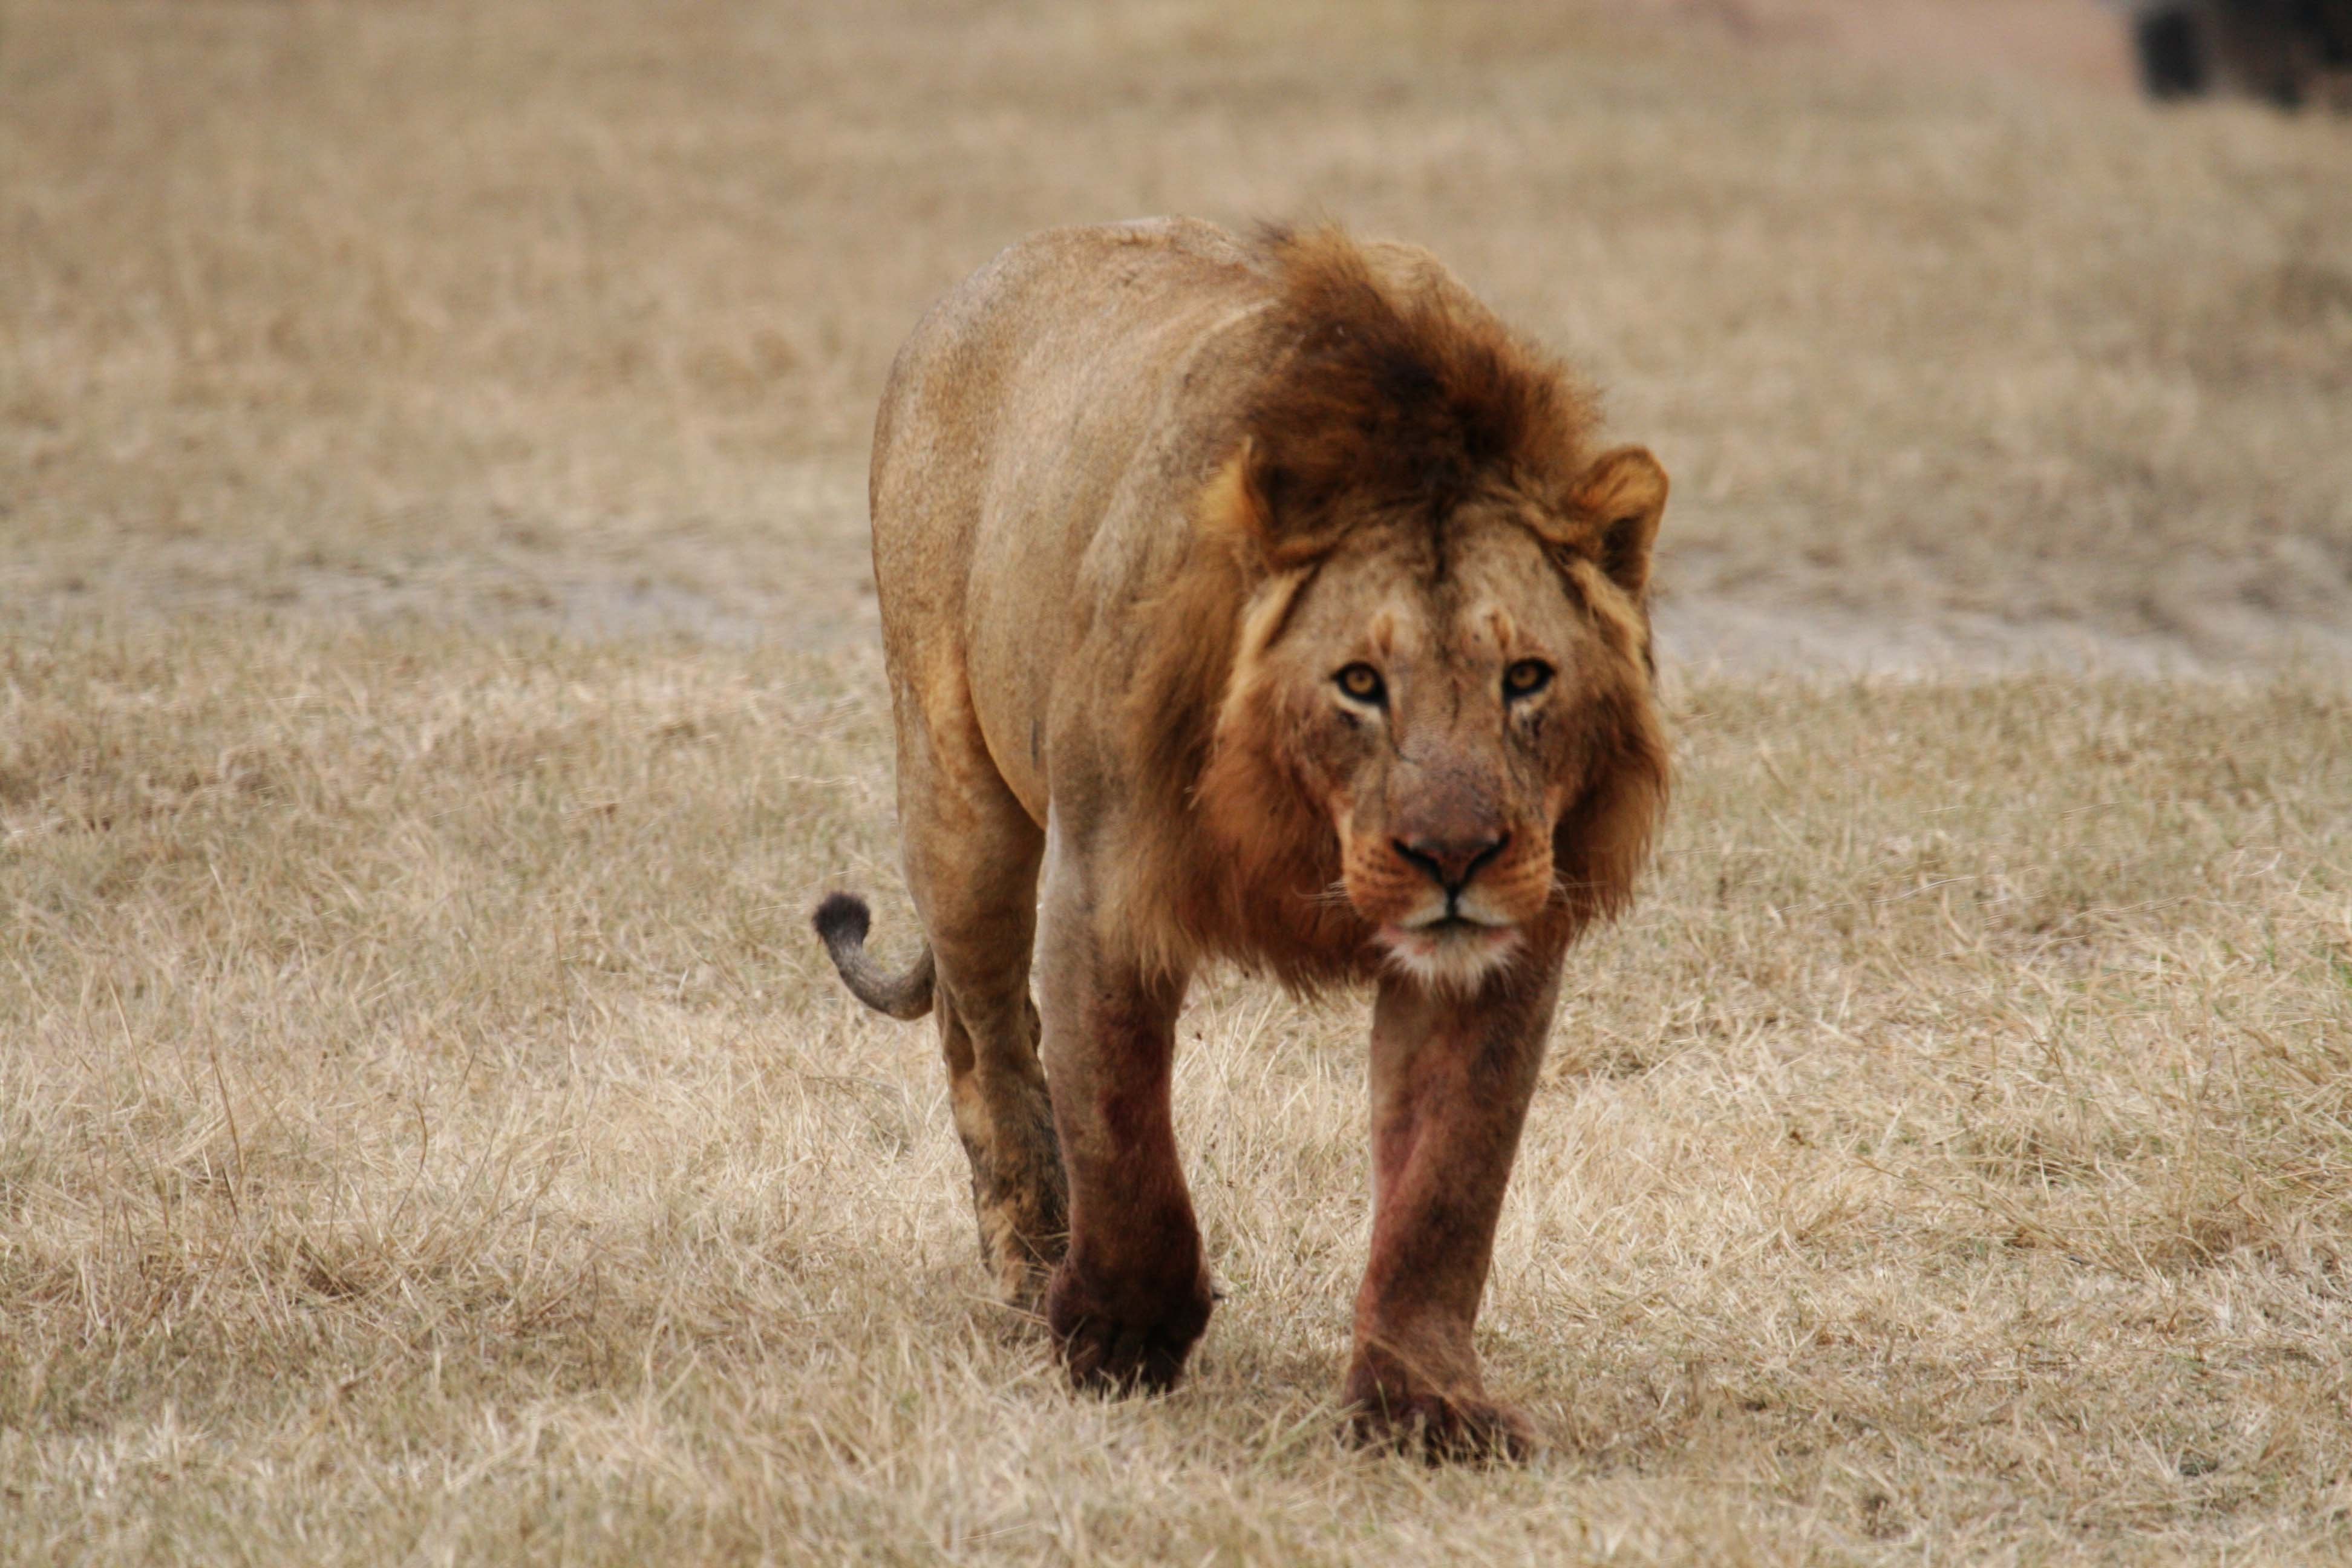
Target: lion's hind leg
(997,1095)
(973,856)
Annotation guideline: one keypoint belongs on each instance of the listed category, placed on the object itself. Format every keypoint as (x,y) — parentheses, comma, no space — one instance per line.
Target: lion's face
(1437,698)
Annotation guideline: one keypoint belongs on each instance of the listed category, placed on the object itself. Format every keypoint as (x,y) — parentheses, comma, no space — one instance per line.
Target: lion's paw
(1023,1234)
(1440,1428)
(1124,1351)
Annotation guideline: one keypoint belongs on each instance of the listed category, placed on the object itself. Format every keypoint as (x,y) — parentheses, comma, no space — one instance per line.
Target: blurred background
(438,674)
(1961,348)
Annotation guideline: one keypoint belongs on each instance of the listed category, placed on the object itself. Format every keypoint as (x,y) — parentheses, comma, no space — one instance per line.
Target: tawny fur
(1145,499)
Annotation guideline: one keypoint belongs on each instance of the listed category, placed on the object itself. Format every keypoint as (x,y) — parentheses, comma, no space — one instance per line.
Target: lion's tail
(842,920)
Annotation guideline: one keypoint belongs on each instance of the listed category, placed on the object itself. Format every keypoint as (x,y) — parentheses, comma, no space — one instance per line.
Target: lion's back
(1030,323)
(1032,413)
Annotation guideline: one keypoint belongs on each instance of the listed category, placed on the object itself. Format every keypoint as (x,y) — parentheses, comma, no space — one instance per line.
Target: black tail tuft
(842,920)
(843,917)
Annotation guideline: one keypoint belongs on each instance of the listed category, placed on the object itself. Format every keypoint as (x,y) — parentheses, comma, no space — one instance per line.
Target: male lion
(1260,601)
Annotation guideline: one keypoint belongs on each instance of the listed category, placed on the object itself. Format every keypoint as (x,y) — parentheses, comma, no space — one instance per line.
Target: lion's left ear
(1623,495)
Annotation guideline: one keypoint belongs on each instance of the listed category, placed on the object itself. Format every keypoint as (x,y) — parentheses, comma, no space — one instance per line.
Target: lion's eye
(1363,683)
(1526,677)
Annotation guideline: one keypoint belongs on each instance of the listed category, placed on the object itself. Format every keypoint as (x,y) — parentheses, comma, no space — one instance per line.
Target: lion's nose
(1451,862)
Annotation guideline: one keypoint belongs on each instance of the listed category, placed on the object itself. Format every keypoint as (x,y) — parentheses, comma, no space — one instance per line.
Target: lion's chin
(1449,955)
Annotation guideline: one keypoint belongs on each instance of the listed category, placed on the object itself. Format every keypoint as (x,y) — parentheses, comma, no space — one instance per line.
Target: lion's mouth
(1447,929)
(1452,934)
(1453,950)
(1456,918)
(1451,926)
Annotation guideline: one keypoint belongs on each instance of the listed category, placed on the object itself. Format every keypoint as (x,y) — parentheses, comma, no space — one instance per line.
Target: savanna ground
(438,675)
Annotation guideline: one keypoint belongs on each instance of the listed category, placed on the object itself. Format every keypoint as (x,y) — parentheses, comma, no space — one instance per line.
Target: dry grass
(436,676)
(431,1133)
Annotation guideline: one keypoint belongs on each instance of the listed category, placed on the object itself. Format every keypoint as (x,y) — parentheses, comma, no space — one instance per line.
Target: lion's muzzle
(1448,897)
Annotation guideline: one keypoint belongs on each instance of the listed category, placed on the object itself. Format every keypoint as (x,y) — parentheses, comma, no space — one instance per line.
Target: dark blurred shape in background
(2288,52)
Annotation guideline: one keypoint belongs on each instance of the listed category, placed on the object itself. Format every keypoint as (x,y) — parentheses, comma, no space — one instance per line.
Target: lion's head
(1433,732)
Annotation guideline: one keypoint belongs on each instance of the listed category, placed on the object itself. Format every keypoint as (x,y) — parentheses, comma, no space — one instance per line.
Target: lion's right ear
(1242,507)
(1235,509)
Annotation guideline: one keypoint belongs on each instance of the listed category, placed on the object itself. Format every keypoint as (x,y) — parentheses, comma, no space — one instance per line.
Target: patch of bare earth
(2077,42)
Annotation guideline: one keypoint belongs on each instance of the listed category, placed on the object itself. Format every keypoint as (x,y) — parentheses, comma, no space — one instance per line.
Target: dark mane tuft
(1402,391)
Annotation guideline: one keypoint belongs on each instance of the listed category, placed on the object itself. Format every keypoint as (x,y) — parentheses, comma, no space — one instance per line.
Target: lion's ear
(1241,505)
(1233,506)
(1623,495)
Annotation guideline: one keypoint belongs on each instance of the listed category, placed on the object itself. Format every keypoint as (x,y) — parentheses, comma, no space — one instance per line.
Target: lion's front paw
(1392,1409)
(1119,1346)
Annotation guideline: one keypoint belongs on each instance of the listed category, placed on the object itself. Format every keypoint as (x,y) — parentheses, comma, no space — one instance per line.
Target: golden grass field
(437,674)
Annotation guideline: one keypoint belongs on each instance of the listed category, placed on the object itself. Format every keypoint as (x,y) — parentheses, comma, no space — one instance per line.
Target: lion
(1259,600)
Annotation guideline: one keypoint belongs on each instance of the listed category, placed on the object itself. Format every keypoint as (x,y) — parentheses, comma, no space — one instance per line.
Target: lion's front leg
(1131,1295)
(1451,1080)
